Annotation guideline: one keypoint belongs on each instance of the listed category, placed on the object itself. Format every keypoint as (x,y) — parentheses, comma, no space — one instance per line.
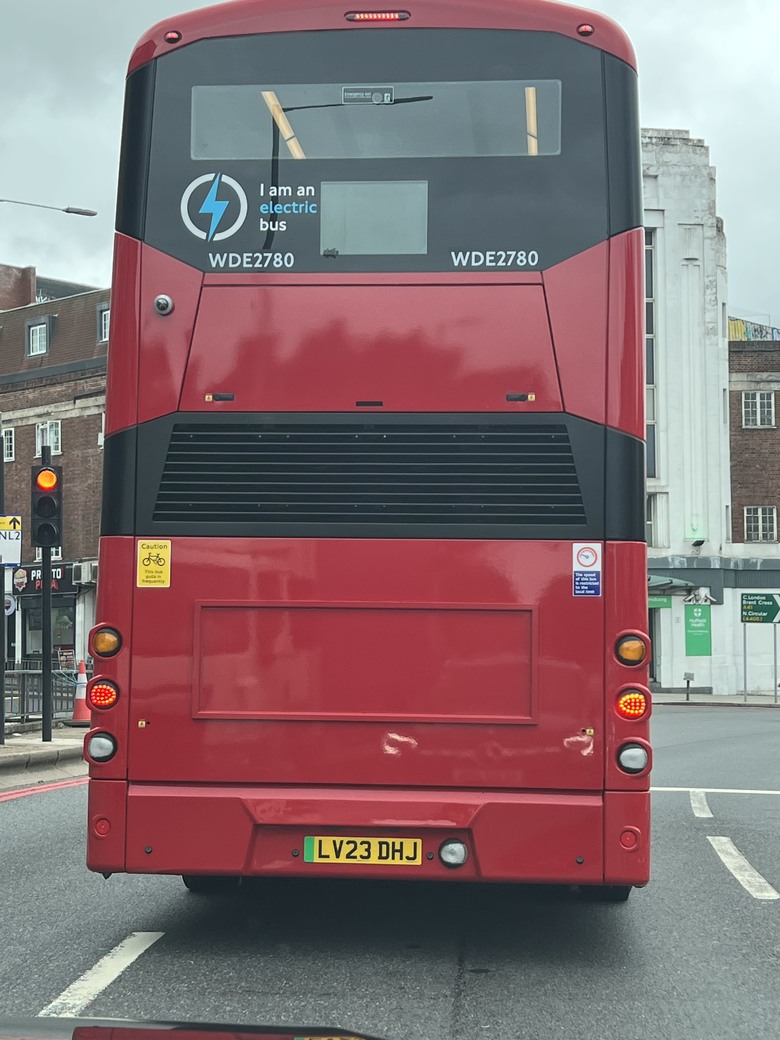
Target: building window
(650,359)
(104,323)
(760,524)
(758,409)
(9,444)
(56,553)
(54,427)
(37,339)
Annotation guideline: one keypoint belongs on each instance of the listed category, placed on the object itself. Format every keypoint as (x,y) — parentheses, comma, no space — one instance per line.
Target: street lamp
(76,210)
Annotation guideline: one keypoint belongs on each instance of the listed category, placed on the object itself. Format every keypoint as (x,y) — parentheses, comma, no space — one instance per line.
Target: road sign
(10,605)
(761,608)
(10,541)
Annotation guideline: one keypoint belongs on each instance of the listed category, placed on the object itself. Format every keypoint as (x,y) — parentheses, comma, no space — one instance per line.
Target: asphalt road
(693,956)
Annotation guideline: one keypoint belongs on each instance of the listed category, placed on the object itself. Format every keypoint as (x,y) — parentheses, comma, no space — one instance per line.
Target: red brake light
(172,37)
(632,704)
(586,29)
(103,694)
(377,16)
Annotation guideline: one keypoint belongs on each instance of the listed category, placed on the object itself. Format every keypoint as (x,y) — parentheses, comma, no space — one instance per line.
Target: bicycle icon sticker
(154,564)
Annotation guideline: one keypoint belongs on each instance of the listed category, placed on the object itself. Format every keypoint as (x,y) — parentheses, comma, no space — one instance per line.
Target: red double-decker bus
(372,576)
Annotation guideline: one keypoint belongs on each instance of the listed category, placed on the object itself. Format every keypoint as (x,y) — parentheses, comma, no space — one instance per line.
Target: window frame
(754,398)
(56,554)
(103,323)
(50,423)
(41,327)
(758,516)
(9,456)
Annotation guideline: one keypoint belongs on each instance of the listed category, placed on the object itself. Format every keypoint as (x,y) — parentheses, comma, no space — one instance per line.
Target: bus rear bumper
(556,838)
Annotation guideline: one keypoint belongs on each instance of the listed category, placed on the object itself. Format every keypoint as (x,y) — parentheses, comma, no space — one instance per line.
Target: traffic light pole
(46,646)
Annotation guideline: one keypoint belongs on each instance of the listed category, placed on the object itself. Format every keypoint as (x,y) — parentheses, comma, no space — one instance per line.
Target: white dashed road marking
(750,879)
(83,991)
(699,805)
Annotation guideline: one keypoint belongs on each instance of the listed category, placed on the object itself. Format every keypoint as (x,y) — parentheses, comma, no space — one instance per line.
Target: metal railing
(24,694)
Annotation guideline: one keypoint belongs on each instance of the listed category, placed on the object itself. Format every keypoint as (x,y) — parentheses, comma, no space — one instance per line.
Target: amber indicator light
(631,650)
(106,642)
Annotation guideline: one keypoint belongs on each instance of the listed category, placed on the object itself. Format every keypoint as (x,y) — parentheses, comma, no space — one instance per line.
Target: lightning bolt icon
(213,206)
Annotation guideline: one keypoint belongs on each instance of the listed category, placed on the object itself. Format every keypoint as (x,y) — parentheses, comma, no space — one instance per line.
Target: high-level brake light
(377,16)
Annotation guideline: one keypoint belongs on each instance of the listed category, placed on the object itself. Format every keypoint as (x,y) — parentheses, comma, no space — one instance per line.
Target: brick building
(754,379)
(53,345)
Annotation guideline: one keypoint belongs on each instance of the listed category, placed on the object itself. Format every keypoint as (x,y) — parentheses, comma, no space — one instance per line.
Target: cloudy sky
(709,66)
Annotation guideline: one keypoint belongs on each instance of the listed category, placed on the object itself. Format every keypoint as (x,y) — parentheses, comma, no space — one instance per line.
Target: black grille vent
(404,473)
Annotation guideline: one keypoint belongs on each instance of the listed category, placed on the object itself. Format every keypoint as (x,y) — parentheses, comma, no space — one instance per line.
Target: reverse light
(633,758)
(106,642)
(101,747)
(103,694)
(453,853)
(632,704)
(631,650)
(377,16)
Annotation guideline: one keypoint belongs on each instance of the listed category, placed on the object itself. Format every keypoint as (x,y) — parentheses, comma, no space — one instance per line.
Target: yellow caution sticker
(154,564)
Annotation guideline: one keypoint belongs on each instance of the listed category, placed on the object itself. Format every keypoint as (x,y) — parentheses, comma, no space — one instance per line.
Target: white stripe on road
(699,805)
(713,790)
(76,997)
(750,879)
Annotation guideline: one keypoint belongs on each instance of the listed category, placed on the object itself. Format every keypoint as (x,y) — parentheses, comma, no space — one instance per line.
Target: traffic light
(46,507)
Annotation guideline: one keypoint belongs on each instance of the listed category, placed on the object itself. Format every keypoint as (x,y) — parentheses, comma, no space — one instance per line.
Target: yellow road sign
(10,523)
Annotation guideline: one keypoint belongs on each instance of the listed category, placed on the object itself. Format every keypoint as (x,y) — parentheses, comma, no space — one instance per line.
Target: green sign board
(761,607)
(654,602)
(698,630)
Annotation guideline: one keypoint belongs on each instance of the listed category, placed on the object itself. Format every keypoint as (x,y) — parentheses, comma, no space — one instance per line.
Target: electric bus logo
(223,198)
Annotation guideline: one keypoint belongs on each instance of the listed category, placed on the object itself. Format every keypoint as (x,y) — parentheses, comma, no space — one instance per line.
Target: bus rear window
(377,120)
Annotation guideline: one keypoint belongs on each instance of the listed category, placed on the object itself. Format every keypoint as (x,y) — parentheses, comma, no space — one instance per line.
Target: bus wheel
(605,893)
(208,885)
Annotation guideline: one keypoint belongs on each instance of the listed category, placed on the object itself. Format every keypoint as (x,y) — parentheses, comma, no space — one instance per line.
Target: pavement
(24,749)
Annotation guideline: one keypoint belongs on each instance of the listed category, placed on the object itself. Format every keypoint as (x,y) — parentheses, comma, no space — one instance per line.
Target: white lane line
(713,790)
(750,879)
(72,1001)
(699,805)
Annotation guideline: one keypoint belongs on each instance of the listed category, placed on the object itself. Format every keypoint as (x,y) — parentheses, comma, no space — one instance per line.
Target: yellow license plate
(397,852)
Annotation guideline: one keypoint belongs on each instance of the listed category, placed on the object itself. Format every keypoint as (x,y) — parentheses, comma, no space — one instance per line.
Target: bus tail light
(101,747)
(631,650)
(632,704)
(633,758)
(102,694)
(106,642)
